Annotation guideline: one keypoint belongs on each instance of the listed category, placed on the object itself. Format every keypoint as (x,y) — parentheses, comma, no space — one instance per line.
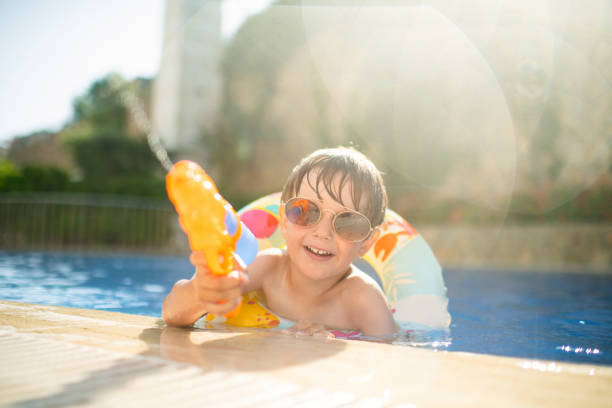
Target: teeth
(318,251)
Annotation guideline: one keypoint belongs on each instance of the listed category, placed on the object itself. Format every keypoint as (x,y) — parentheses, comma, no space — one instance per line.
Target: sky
(53,50)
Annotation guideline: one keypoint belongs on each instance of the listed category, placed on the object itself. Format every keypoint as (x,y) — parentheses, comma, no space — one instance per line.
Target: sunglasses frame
(336,214)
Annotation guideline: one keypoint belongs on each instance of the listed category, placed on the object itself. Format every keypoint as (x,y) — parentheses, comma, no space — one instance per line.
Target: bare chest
(327,309)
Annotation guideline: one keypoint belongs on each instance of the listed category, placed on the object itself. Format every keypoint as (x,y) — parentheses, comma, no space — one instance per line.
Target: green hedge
(32,178)
(52,179)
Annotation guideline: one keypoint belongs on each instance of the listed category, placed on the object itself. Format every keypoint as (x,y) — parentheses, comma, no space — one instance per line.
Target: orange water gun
(202,215)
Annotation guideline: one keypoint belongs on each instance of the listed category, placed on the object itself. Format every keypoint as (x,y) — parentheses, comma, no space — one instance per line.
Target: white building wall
(186,91)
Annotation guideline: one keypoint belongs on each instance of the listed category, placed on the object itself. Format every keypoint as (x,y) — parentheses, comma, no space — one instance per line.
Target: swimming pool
(535,315)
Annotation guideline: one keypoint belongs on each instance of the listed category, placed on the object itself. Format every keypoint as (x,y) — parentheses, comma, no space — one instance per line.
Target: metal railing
(85,222)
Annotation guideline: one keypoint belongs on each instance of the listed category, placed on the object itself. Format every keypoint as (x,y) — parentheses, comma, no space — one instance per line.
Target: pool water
(545,315)
(127,284)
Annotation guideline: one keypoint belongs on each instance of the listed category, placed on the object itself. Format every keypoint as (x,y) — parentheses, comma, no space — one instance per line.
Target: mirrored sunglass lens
(352,226)
(302,212)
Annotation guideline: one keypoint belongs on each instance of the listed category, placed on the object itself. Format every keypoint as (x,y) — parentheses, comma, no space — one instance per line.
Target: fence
(84,222)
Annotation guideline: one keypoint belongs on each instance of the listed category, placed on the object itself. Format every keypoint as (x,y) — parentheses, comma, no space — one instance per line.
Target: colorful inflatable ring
(400,261)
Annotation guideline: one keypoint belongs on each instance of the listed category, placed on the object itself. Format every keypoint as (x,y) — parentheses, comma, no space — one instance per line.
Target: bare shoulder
(360,290)
(266,264)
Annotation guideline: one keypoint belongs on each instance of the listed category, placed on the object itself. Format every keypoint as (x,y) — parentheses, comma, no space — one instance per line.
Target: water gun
(211,224)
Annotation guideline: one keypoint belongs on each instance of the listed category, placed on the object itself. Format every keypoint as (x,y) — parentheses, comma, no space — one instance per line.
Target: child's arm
(204,293)
(369,312)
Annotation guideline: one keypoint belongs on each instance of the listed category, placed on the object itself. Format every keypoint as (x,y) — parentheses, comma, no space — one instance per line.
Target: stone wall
(576,247)
(40,149)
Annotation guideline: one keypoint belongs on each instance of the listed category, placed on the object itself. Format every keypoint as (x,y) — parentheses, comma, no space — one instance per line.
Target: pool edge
(360,370)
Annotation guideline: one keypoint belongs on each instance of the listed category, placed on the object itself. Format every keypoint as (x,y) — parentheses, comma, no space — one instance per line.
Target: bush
(38,178)
(32,178)
(10,177)
(105,156)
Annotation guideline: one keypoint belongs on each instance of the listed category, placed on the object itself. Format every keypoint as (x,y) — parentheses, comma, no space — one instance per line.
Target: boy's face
(317,250)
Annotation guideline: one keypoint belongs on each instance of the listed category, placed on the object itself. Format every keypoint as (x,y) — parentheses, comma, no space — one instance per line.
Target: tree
(111,152)
(101,106)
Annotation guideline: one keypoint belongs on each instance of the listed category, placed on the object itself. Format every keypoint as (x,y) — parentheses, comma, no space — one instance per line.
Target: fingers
(218,294)
(214,296)
(217,288)
(223,308)
(205,279)
(307,328)
(197,258)
(199,261)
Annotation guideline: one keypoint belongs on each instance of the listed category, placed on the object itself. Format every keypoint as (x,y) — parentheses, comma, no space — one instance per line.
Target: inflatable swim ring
(400,261)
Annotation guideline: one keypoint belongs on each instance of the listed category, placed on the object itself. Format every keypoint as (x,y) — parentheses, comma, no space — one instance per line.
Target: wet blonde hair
(367,187)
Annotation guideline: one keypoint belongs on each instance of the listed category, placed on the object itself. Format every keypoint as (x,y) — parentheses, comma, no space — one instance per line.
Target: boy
(331,206)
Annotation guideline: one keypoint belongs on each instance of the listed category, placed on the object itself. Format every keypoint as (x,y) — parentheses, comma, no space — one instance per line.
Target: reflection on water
(556,316)
(433,339)
(273,352)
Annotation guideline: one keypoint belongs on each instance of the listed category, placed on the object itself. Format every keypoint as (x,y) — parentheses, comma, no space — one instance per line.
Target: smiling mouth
(319,252)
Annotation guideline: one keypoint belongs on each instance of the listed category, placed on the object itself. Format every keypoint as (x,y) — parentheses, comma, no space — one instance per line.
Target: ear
(367,244)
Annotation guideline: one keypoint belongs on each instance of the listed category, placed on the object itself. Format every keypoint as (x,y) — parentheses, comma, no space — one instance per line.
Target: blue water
(554,316)
(127,284)
(546,315)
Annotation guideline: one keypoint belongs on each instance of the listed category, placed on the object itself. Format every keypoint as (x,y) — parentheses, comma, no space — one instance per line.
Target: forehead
(331,191)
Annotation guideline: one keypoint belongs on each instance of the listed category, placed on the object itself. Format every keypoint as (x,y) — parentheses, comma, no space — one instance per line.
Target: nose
(324,228)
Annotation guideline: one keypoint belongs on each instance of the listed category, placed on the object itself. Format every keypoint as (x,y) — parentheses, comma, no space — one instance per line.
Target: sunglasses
(350,225)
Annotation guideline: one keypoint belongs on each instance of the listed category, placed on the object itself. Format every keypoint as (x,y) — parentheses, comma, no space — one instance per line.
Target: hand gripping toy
(205,216)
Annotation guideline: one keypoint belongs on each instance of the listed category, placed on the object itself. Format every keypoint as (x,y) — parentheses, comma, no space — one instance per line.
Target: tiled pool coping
(61,356)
